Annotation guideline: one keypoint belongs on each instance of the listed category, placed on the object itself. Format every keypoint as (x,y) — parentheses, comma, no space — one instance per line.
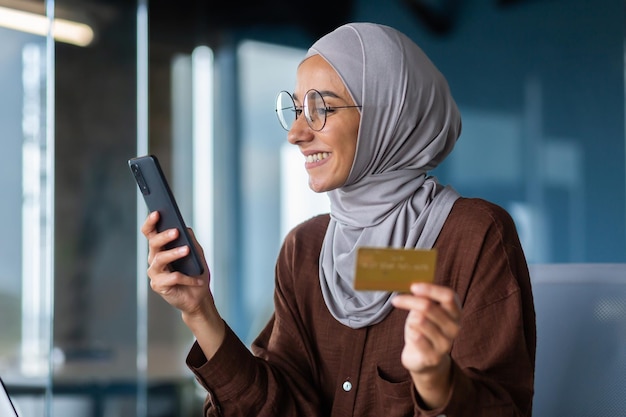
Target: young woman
(372,116)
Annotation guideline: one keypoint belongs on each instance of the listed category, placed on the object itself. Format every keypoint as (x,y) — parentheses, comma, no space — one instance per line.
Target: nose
(300,132)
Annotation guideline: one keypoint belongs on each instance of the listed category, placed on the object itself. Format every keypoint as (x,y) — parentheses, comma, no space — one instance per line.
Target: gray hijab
(409,124)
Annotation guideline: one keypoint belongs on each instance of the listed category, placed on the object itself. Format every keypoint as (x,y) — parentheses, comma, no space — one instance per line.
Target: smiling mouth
(317,157)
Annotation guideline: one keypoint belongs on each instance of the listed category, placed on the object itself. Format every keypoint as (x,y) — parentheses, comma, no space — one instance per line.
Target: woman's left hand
(431,326)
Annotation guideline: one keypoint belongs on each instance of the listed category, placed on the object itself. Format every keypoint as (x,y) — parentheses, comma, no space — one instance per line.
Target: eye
(321,111)
(298,111)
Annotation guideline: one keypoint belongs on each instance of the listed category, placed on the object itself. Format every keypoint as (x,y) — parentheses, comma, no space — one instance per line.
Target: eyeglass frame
(300,109)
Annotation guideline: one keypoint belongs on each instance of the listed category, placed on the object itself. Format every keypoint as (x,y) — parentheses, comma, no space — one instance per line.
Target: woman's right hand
(181,291)
(191,295)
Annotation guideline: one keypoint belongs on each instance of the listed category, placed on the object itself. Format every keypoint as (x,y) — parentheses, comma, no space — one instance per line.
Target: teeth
(317,157)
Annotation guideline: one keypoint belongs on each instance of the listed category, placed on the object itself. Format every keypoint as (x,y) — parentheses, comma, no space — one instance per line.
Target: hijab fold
(409,124)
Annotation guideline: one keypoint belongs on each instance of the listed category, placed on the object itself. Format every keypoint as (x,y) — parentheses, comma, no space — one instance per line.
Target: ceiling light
(63,30)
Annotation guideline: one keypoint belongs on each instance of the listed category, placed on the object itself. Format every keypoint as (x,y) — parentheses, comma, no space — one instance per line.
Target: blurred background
(540,85)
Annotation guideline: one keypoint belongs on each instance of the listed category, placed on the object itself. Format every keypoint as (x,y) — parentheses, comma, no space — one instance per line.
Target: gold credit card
(386,269)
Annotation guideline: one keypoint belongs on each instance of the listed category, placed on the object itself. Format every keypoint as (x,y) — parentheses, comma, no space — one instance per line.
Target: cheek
(350,150)
(344,164)
(348,158)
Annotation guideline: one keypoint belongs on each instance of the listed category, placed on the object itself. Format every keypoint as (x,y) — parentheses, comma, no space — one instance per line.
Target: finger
(149,226)
(420,329)
(162,259)
(420,309)
(429,312)
(158,241)
(165,282)
(415,324)
(445,296)
(163,279)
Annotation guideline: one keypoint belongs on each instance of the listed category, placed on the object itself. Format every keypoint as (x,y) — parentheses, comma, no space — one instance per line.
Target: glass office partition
(27,187)
(73,310)
(97,315)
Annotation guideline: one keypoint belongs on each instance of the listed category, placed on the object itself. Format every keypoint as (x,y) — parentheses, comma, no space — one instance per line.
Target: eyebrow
(324,93)
(327,93)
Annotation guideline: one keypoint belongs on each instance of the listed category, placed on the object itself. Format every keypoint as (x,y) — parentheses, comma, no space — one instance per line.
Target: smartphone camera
(141,182)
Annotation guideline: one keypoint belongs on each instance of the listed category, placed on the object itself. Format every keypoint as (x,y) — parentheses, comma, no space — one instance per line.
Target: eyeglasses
(314,106)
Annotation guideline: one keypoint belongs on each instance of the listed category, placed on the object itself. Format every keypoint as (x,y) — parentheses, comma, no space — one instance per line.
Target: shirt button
(442,415)
(347,386)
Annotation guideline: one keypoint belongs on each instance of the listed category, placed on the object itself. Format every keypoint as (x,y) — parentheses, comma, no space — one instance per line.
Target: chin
(317,188)
(321,185)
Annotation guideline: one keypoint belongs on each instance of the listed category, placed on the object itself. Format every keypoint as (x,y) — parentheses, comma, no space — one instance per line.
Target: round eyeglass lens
(315,109)
(285,110)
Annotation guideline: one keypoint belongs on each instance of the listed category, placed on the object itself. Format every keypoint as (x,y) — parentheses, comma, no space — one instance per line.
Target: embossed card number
(386,269)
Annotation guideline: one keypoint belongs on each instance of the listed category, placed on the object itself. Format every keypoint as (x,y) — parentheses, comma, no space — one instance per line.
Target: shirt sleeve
(273,381)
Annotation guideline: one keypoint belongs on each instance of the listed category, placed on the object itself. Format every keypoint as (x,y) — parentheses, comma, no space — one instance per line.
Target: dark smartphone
(158,197)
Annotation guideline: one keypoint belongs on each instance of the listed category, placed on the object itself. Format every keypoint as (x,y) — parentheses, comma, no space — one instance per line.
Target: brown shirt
(306,363)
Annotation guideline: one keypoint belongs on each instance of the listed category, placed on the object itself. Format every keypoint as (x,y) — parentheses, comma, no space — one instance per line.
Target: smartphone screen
(158,196)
